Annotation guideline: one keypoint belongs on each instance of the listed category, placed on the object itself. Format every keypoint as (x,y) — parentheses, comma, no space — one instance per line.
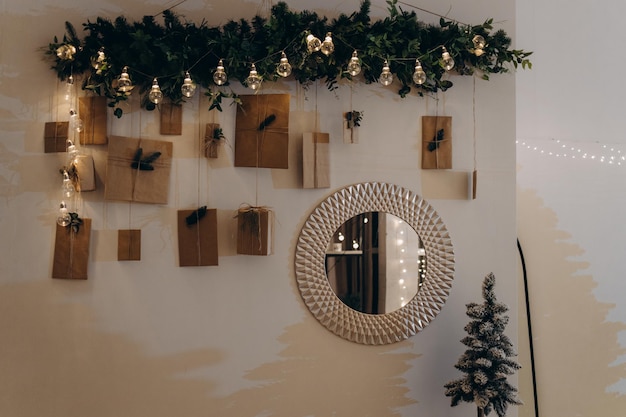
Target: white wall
(151,338)
(570,202)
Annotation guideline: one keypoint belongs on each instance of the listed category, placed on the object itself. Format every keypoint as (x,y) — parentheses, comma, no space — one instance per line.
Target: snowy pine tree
(486,363)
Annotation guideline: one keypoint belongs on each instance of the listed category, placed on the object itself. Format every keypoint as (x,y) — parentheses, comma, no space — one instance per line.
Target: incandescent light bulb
(284,67)
(155,95)
(189,87)
(219,76)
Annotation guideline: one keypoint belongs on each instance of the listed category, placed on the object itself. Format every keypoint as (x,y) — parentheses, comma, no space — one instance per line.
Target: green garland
(167,50)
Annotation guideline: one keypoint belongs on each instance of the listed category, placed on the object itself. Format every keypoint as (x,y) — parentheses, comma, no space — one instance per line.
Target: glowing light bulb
(189,87)
(124,84)
(479,45)
(328,47)
(98,61)
(254,80)
(355,245)
(446,60)
(354,66)
(63,218)
(313,44)
(72,150)
(419,76)
(284,67)
(340,237)
(219,76)
(66,52)
(69,88)
(155,95)
(67,188)
(386,77)
(75,123)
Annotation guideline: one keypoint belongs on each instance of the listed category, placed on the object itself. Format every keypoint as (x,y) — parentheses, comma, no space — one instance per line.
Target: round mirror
(375,262)
(318,235)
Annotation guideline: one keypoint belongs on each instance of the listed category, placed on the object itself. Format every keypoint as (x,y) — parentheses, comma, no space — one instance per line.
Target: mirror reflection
(375,263)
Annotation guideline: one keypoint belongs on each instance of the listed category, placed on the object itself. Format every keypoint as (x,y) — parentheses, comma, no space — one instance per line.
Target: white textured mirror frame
(319,297)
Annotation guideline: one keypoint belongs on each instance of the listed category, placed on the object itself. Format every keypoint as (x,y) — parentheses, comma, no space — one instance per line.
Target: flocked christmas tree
(487,361)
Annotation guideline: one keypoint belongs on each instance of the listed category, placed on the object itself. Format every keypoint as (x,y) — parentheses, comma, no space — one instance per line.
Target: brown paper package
(128,184)
(171,119)
(93,112)
(315,160)
(129,245)
(71,251)
(85,168)
(262,131)
(55,136)
(255,231)
(197,243)
(441,157)
(211,145)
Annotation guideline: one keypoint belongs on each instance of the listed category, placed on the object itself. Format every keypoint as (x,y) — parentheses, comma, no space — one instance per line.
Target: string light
(254,80)
(327,47)
(124,84)
(479,45)
(313,44)
(155,95)
(446,60)
(419,76)
(354,66)
(98,61)
(67,188)
(69,88)
(386,77)
(72,150)
(284,68)
(76,124)
(588,152)
(188,89)
(63,219)
(219,76)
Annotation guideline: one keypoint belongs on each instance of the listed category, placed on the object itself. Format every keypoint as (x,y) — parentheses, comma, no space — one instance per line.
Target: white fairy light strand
(609,154)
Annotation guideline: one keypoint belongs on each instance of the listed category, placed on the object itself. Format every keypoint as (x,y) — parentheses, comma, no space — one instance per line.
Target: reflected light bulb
(313,44)
(219,76)
(419,76)
(354,66)
(446,60)
(284,67)
(254,80)
(386,77)
(189,87)
(124,84)
(64,216)
(155,95)
(327,47)
(67,188)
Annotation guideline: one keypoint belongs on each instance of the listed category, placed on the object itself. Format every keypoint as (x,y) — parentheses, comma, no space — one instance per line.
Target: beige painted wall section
(576,347)
(150,338)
